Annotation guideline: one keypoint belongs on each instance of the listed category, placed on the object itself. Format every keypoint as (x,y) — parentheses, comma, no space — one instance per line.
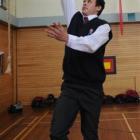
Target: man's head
(91,7)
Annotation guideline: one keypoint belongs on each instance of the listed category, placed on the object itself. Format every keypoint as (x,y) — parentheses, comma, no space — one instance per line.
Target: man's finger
(51,33)
(54,29)
(52,36)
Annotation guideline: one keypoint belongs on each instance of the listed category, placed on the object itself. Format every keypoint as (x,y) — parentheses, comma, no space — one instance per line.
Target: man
(84,74)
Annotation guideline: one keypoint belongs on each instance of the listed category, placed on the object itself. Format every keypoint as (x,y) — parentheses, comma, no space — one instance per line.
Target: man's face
(90,8)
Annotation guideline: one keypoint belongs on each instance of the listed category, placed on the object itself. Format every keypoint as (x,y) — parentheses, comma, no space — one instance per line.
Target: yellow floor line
(25,129)
(12,125)
(129,127)
(33,126)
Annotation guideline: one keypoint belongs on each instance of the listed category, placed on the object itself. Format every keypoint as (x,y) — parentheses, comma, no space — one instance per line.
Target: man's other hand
(57,31)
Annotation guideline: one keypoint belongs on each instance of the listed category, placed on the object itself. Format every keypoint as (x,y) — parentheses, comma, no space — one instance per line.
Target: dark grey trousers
(71,101)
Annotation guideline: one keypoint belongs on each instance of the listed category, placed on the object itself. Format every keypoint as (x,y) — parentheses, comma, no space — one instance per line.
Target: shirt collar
(90,17)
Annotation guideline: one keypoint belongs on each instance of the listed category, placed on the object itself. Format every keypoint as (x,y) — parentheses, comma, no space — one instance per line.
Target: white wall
(11,5)
(44,8)
(131,6)
(38,8)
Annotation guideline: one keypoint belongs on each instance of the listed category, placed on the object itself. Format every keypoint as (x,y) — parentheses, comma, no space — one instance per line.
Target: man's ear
(99,8)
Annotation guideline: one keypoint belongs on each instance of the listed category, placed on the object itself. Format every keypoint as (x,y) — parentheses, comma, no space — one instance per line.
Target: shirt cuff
(70,40)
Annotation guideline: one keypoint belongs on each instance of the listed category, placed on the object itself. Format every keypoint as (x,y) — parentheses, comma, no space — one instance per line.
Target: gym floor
(117,122)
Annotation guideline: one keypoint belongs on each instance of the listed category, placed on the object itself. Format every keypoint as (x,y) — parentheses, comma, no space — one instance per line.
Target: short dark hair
(102,4)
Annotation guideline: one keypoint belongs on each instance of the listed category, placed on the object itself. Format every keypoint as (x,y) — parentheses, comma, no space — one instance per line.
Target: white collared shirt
(89,43)
(90,17)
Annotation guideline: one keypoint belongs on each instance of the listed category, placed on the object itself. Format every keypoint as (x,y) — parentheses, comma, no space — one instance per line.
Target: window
(3,4)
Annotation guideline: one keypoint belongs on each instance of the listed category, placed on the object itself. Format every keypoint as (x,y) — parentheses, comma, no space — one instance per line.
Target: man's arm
(69,9)
(90,43)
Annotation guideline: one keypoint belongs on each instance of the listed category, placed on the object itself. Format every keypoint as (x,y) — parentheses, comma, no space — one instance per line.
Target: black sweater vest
(81,68)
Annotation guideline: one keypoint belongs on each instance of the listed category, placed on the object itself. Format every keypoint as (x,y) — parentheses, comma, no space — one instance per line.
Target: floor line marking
(129,127)
(102,120)
(33,126)
(25,129)
(120,112)
(12,125)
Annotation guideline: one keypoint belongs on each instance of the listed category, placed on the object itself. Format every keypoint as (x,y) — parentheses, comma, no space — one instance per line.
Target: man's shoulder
(78,14)
(77,17)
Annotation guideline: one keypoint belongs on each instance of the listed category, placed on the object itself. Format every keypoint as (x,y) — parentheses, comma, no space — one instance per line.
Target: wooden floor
(117,122)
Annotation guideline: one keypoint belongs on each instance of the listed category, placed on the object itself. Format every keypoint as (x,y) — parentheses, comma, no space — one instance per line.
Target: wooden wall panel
(137,81)
(126,48)
(115,85)
(39,64)
(39,61)
(6,94)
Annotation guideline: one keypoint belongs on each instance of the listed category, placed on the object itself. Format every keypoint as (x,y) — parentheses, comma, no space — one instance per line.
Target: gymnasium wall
(6,93)
(37,59)
(40,61)
(7,81)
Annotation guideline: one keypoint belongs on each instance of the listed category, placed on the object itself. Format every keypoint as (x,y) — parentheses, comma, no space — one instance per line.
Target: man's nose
(85,3)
